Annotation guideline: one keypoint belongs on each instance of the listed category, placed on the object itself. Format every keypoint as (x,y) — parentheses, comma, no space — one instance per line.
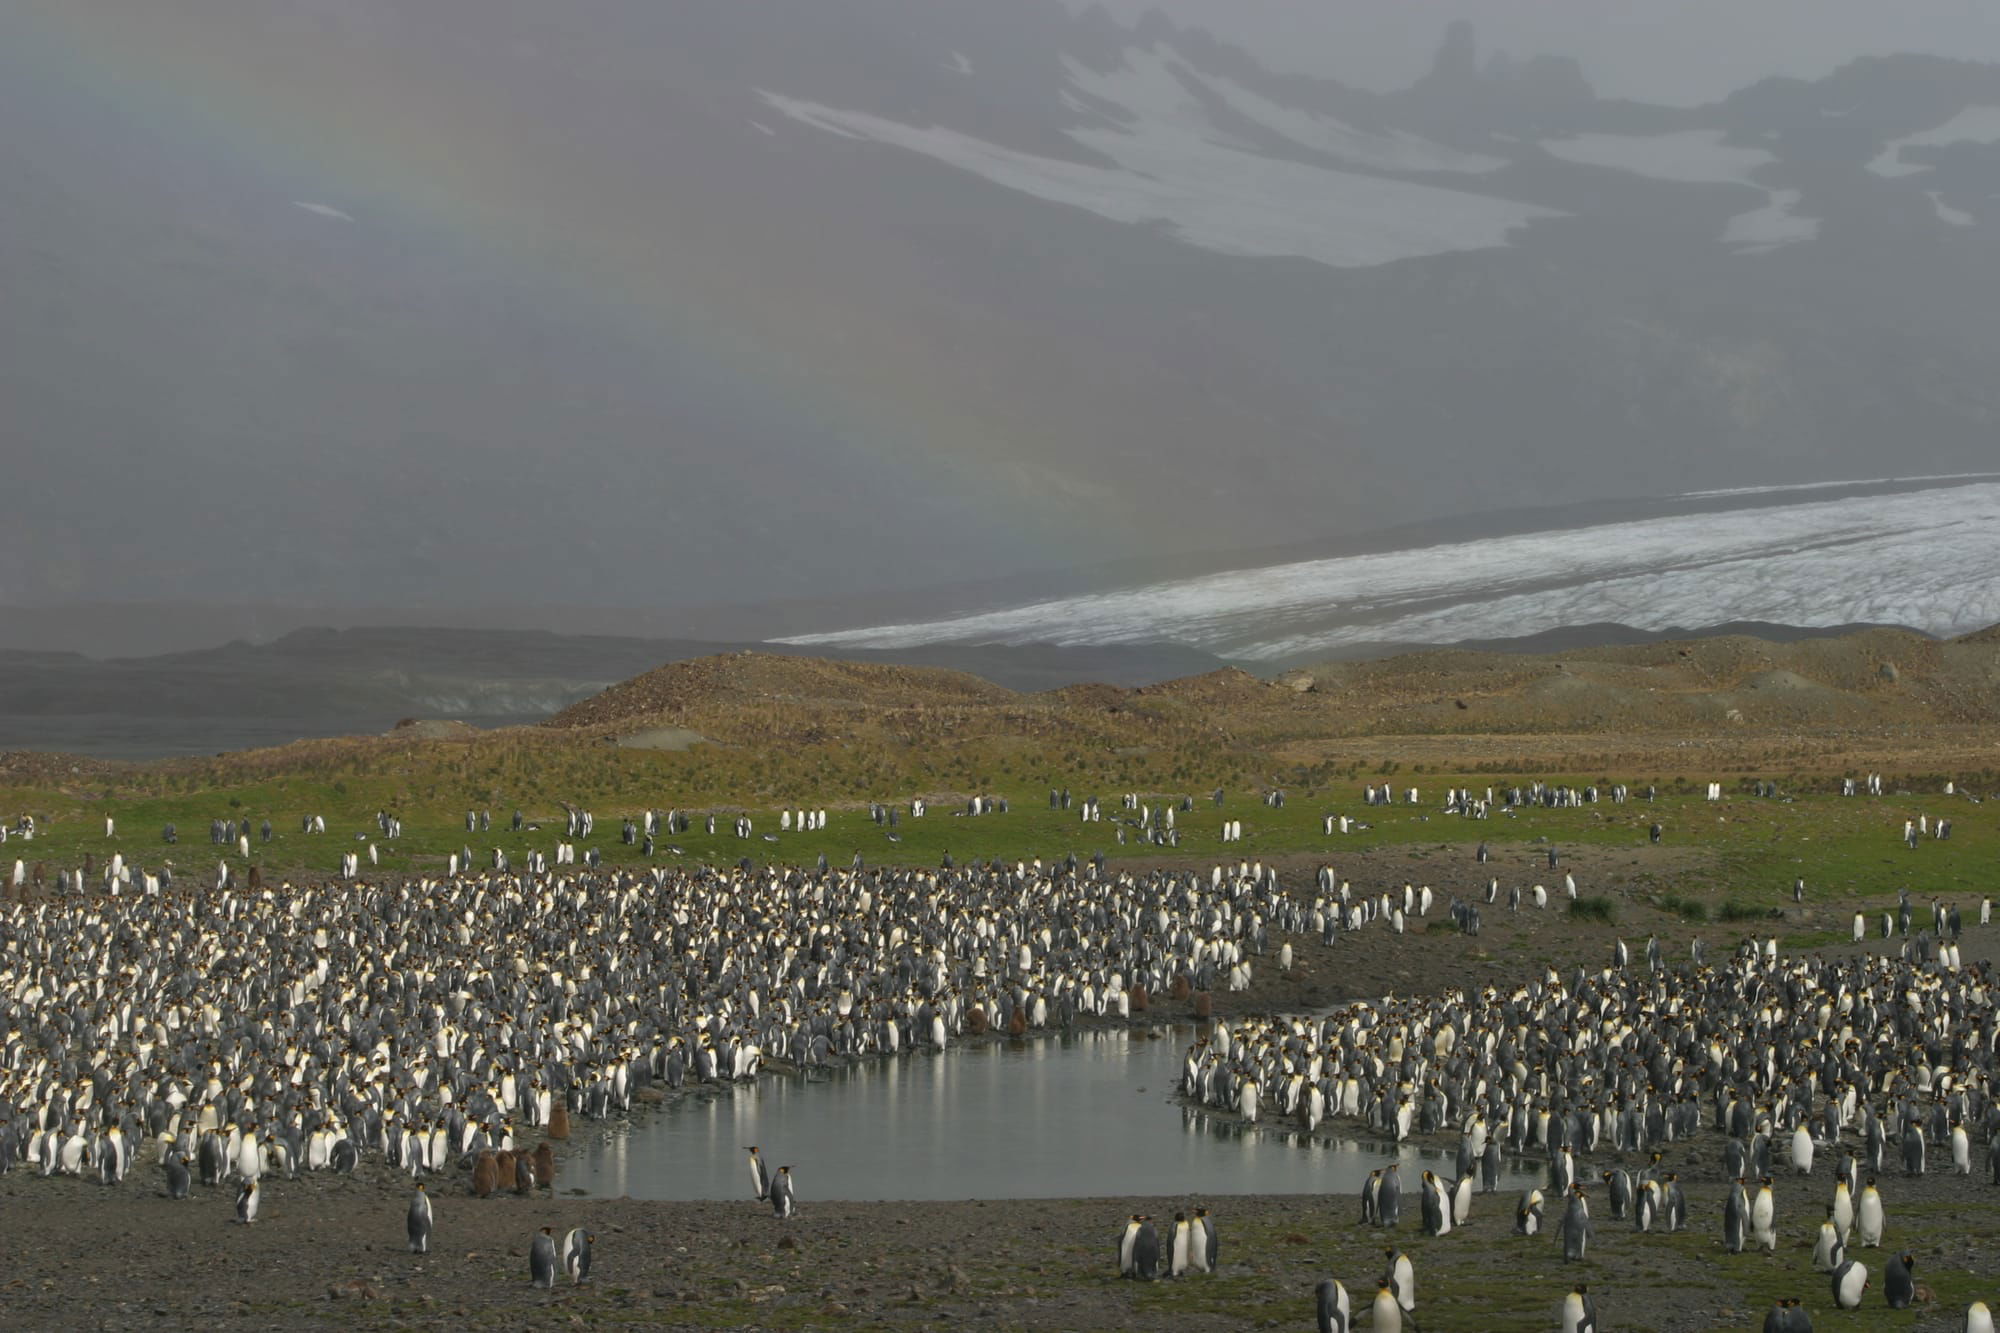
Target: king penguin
(1146,1251)
(1207,1246)
(420,1222)
(1787,1316)
(1575,1225)
(1618,1187)
(1180,1251)
(1579,1311)
(1128,1246)
(542,1260)
(1913,1150)
(1675,1211)
(1829,1250)
(1897,1285)
(1528,1214)
(1402,1279)
(178,1175)
(1388,1316)
(781,1192)
(1389,1199)
(576,1255)
(1335,1315)
(760,1179)
(1868,1216)
(1850,1280)
(1436,1206)
(1764,1217)
(1736,1218)
(1978,1319)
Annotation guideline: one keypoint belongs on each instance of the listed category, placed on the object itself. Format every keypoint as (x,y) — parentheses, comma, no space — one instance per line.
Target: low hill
(769,724)
(684,693)
(1872,678)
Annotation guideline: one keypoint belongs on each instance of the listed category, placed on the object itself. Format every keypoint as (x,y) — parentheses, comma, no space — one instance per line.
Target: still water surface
(1080,1116)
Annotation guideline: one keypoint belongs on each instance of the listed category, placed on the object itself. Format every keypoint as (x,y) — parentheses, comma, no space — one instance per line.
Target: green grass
(1597,908)
(1682,906)
(1745,853)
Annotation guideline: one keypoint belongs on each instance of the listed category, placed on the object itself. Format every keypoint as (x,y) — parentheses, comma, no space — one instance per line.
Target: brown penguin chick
(1017,1023)
(485,1176)
(545,1165)
(524,1173)
(503,1169)
(558,1121)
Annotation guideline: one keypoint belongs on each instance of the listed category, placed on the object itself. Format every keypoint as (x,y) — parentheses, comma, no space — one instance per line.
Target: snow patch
(1975,124)
(322,210)
(1173,167)
(1771,226)
(1393,151)
(1691,157)
(1699,157)
(1957,217)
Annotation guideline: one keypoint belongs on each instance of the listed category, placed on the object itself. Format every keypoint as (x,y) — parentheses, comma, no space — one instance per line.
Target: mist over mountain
(680,304)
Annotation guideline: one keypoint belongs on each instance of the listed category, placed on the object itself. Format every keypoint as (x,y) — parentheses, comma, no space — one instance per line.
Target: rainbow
(450,138)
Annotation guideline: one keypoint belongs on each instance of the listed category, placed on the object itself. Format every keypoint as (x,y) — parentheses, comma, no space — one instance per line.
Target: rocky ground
(331,1251)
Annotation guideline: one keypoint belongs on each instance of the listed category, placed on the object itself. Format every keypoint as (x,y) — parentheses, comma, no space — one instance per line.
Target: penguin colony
(333,1020)
(1860,1069)
(243,1034)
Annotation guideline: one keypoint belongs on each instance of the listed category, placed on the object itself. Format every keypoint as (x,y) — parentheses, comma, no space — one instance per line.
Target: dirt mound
(35,768)
(708,685)
(1090,698)
(1991,634)
(1224,688)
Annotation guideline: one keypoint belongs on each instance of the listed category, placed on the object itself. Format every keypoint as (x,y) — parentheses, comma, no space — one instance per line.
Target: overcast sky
(1675,51)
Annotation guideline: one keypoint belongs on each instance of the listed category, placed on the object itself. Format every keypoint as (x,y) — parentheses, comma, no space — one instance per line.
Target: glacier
(1919,558)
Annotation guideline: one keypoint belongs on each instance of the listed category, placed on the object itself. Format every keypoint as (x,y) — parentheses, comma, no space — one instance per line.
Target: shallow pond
(1079,1116)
